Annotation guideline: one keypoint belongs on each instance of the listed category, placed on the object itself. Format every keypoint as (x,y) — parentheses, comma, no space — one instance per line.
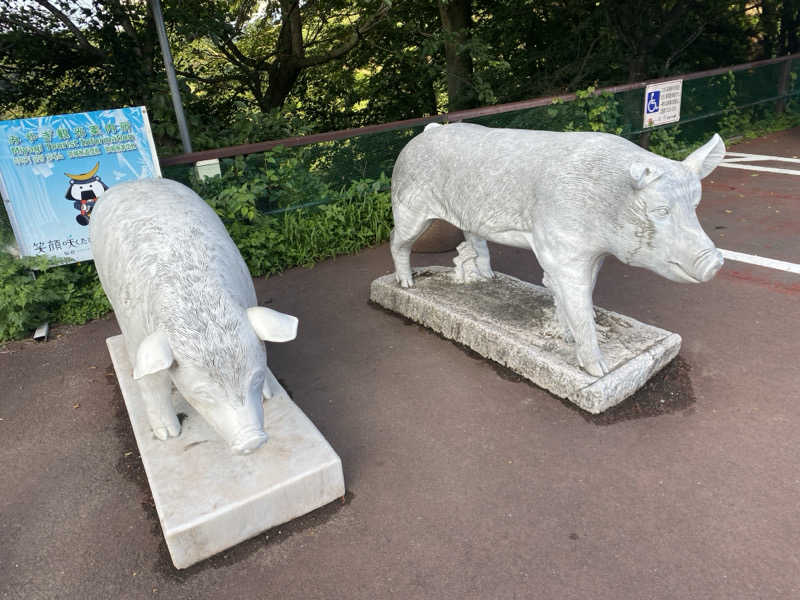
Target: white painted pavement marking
(756,168)
(732,160)
(735,159)
(755,157)
(740,157)
(770,263)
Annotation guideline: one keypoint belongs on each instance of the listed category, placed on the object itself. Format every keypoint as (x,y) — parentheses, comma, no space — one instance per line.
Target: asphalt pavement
(463,480)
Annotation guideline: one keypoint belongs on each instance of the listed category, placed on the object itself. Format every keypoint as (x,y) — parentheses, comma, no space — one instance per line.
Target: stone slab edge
(198,539)
(590,393)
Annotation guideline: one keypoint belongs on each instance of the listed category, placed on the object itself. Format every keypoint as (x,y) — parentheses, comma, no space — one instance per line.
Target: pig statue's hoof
(598,369)
(594,365)
(405,281)
(167,431)
(249,441)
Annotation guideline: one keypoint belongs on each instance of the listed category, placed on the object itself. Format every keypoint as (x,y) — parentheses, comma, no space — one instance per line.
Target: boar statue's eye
(661,211)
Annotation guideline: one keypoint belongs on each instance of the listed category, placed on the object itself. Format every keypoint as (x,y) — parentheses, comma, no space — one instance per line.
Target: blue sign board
(54,169)
(651,104)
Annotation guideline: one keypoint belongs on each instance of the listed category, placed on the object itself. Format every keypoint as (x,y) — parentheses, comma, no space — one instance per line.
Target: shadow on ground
(668,391)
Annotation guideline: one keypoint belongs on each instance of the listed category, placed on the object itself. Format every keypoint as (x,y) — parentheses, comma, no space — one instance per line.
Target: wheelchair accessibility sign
(662,103)
(653,102)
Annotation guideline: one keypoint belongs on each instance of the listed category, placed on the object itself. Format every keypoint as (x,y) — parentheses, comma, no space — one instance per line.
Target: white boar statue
(572,198)
(187,308)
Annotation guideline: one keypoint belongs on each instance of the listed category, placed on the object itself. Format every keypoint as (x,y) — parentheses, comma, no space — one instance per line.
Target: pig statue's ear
(153,355)
(643,175)
(271,325)
(706,158)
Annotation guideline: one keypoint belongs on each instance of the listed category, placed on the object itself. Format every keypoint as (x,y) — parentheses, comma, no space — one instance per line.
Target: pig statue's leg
(561,317)
(156,394)
(272,387)
(483,262)
(560,314)
(407,228)
(595,272)
(571,279)
(576,299)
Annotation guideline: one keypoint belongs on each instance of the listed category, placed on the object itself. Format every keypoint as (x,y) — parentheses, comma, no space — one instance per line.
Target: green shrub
(592,112)
(62,293)
(360,216)
(280,178)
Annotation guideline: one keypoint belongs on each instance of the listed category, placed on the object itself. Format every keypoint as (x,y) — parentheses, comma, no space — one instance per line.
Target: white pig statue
(186,305)
(572,198)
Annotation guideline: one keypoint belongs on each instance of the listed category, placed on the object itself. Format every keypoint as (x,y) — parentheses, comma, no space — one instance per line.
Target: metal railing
(782,86)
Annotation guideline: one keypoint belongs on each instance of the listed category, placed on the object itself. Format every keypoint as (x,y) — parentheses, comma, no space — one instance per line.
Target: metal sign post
(173,81)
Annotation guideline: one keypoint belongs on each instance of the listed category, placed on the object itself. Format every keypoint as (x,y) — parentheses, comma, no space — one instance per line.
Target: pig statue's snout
(707,263)
(248,440)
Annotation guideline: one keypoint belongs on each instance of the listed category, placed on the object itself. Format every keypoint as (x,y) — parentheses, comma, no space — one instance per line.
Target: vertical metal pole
(783,84)
(173,82)
(43,330)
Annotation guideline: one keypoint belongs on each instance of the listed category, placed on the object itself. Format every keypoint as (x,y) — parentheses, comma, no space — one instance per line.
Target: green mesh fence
(708,104)
(303,176)
(725,102)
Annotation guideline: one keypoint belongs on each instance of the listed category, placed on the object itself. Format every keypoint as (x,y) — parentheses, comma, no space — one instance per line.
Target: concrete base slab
(513,323)
(209,499)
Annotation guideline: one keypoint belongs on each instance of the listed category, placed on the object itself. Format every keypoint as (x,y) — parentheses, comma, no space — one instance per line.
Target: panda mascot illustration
(83,191)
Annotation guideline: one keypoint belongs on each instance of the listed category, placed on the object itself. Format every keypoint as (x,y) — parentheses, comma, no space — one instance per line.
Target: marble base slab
(513,323)
(209,499)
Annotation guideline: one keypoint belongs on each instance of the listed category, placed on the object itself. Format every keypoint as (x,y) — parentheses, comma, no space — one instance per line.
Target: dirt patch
(668,391)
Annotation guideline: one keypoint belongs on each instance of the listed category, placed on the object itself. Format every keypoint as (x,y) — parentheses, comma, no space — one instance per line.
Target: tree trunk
(281,81)
(290,49)
(637,71)
(783,84)
(789,24)
(291,57)
(456,18)
(637,67)
(769,25)
(429,93)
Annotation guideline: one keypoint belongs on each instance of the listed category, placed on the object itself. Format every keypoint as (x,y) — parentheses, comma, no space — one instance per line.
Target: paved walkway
(464,482)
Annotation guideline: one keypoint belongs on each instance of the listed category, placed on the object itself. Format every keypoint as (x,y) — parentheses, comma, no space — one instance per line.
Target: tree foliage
(259,49)
(251,70)
(58,56)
